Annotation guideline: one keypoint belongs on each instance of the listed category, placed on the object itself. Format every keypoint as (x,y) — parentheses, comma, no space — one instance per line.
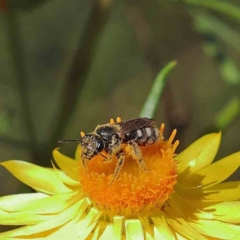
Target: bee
(110,137)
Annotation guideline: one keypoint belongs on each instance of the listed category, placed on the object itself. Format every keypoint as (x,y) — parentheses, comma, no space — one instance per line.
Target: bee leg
(84,163)
(137,155)
(109,157)
(113,148)
(120,162)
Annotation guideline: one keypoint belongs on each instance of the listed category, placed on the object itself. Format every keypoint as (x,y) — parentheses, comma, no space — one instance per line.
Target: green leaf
(209,25)
(228,113)
(224,7)
(151,103)
(207,22)
(229,71)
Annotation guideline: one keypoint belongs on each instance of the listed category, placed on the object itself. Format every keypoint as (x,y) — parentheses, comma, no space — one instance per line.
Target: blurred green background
(68,65)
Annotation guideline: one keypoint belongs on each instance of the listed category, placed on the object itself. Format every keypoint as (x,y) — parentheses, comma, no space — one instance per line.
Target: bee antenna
(69,140)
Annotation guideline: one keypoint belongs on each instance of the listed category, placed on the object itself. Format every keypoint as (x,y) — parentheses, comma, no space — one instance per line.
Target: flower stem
(151,103)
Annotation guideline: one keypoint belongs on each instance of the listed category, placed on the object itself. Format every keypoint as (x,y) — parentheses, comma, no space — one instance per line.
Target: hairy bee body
(143,137)
(109,137)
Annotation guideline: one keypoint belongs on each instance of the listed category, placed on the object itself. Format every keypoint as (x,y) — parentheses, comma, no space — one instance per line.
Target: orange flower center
(134,190)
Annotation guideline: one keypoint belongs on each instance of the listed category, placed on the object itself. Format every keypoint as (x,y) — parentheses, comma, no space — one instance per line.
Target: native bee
(110,137)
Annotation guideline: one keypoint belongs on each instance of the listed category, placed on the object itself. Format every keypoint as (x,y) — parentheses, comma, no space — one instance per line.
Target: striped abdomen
(143,136)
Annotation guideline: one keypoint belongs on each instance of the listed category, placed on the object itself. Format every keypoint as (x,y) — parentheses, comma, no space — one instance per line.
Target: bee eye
(100,145)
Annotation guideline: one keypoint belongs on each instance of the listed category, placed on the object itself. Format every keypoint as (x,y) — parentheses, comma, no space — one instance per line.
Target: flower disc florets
(135,190)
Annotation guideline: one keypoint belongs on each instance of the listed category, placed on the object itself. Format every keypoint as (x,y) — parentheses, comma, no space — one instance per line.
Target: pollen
(135,190)
(82,134)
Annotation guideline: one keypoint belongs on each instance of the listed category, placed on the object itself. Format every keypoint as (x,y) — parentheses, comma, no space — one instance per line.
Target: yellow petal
(117,227)
(180,206)
(54,222)
(176,214)
(21,218)
(67,231)
(72,230)
(134,229)
(147,226)
(161,229)
(198,155)
(181,226)
(225,212)
(215,173)
(35,238)
(89,219)
(99,230)
(48,205)
(95,235)
(67,164)
(180,237)
(78,153)
(41,179)
(226,191)
(149,237)
(66,179)
(191,193)
(226,186)
(108,233)
(217,229)
(79,229)
(13,203)
(87,231)
(194,209)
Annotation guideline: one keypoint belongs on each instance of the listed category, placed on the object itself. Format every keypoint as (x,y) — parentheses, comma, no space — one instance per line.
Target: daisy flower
(179,197)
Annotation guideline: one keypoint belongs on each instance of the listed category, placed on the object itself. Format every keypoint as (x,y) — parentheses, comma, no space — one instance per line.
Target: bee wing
(135,124)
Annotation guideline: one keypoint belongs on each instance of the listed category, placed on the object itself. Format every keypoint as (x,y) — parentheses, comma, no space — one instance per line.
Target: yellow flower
(181,197)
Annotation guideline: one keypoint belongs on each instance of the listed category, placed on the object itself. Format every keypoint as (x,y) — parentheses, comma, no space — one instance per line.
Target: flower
(179,197)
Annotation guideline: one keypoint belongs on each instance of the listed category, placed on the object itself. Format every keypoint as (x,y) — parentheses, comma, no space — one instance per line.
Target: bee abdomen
(143,136)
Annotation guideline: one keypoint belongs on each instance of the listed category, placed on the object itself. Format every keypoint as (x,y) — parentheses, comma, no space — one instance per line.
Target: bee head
(92,145)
